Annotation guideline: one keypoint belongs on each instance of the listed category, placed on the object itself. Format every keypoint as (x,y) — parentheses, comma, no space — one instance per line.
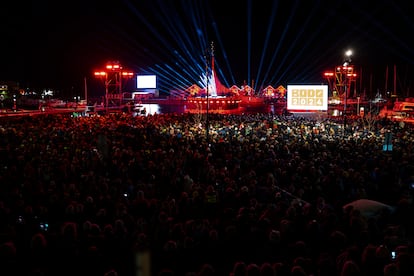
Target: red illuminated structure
(342,82)
(113,76)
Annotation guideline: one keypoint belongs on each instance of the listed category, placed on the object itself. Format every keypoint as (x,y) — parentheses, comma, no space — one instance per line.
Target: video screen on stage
(146,81)
(307,98)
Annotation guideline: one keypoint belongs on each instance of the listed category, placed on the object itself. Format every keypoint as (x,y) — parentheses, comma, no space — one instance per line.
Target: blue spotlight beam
(249,39)
(267,38)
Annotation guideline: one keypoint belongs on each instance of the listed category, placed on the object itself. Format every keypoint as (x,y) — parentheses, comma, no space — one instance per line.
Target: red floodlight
(127,74)
(113,66)
(100,74)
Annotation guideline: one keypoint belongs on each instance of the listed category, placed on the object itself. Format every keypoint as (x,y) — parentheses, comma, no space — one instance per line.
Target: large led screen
(307,98)
(146,81)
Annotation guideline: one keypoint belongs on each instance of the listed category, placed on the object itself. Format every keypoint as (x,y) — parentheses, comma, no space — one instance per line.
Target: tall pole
(345,67)
(106,93)
(86,90)
(207,56)
(346,98)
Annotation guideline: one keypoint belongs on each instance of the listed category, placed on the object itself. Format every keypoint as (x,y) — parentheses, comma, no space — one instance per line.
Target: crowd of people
(176,194)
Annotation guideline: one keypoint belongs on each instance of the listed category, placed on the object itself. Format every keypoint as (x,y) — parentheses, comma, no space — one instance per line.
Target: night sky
(54,44)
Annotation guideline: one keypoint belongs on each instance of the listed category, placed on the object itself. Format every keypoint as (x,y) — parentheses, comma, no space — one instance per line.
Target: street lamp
(345,68)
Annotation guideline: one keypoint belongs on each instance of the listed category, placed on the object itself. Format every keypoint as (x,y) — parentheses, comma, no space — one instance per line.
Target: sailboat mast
(212,56)
(395,80)
(86,90)
(386,79)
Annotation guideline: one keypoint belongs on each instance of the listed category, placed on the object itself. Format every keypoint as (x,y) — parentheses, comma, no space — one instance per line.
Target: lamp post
(345,68)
